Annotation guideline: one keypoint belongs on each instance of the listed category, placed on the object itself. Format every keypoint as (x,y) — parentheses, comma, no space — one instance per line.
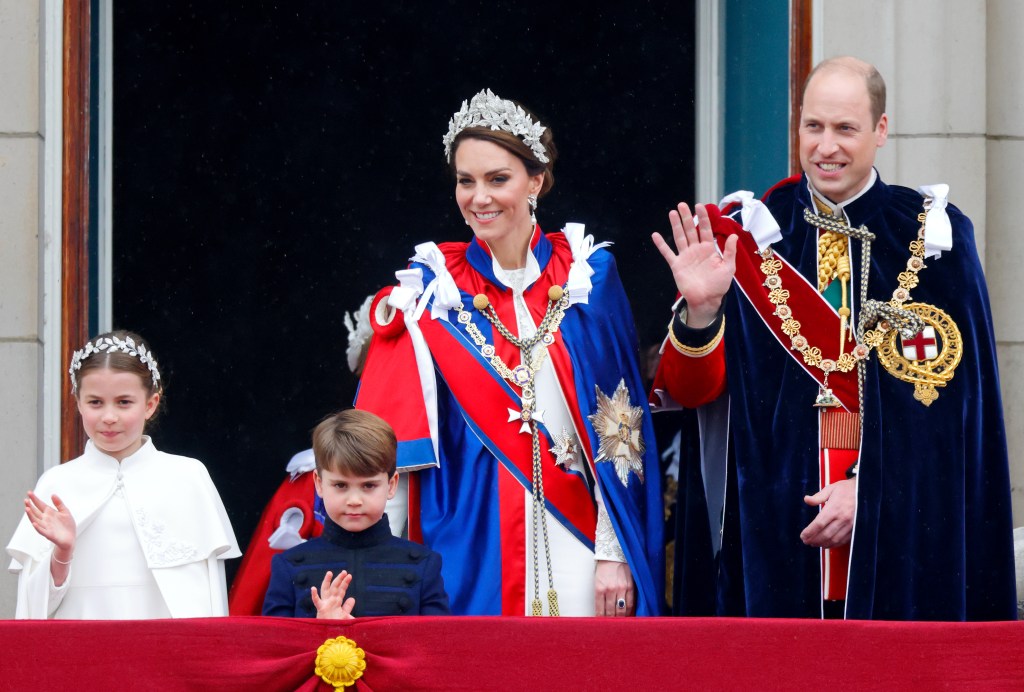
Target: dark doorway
(274,163)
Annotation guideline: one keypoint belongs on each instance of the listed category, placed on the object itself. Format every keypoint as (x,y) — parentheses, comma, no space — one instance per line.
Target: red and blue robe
(471,466)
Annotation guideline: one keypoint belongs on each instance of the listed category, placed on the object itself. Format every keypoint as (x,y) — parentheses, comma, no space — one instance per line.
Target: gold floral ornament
(339,662)
(617,425)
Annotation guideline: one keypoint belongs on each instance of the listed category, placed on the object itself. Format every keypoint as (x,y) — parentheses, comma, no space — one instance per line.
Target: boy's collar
(375,535)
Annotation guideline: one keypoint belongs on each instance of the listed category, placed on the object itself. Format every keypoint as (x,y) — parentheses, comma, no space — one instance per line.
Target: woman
(508,368)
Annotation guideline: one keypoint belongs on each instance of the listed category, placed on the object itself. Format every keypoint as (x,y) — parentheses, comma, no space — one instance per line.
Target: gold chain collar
(812,355)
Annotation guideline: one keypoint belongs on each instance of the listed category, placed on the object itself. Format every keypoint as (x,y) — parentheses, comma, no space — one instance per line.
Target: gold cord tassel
(843,269)
(536,608)
(552,603)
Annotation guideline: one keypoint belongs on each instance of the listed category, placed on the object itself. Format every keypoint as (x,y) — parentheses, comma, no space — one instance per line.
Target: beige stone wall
(956,106)
(1004,259)
(21,156)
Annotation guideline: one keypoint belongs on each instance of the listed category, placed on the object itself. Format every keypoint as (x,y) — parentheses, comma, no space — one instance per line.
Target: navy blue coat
(390,576)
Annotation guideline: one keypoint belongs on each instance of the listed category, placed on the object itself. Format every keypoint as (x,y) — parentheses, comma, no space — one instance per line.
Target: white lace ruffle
(606,543)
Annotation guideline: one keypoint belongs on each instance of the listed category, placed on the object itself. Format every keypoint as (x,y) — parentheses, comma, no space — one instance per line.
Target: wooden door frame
(800,58)
(77,78)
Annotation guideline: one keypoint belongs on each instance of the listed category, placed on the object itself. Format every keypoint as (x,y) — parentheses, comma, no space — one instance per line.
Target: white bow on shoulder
(756,218)
(578,285)
(938,231)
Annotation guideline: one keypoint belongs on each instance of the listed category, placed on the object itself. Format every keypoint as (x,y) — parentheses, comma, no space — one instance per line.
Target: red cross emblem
(922,347)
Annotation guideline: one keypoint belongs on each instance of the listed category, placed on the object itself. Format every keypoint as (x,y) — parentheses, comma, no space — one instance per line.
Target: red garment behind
(250,584)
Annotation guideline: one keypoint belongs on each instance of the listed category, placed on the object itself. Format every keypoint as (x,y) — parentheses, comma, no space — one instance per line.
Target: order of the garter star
(617,425)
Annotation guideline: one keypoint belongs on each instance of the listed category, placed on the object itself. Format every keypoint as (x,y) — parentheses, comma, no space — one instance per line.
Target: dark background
(276,163)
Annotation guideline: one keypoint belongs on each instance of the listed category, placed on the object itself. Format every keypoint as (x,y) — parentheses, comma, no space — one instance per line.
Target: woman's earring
(532,199)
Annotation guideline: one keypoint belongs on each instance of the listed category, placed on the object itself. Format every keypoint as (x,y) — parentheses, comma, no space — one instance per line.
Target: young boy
(360,568)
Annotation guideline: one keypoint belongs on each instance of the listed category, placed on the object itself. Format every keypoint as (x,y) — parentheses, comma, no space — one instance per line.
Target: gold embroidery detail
(698,351)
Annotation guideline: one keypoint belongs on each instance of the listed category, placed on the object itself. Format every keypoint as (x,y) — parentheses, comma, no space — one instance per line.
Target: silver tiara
(109,344)
(487,110)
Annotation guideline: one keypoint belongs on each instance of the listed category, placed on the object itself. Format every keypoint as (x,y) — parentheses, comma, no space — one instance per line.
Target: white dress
(152,538)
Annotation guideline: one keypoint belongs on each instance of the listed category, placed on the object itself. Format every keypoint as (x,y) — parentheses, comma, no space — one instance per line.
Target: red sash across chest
(486,398)
(819,322)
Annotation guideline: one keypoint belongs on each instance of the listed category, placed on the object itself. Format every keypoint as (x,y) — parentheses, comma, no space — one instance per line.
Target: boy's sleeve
(433,598)
(280,598)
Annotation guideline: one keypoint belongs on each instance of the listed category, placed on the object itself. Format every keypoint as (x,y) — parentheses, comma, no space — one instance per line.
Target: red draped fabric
(467,653)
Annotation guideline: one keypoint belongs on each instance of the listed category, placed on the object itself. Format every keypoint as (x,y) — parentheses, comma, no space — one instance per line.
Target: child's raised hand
(330,602)
(53,523)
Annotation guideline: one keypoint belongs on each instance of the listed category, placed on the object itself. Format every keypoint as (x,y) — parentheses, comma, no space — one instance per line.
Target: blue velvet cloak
(933,531)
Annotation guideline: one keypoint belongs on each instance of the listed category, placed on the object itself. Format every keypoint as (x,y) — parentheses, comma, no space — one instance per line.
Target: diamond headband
(109,344)
(487,110)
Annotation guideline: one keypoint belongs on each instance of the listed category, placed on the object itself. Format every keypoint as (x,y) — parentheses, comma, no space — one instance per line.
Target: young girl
(132,532)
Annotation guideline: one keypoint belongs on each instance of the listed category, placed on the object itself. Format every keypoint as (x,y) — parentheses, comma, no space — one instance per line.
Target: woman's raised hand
(702,273)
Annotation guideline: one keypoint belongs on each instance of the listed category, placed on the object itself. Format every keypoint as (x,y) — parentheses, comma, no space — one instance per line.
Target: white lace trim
(606,543)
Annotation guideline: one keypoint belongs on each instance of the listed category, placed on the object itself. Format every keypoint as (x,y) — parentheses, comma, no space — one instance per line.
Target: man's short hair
(356,443)
(872,80)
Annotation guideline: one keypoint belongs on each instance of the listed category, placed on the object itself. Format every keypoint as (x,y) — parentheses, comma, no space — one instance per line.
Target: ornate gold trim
(699,351)
(925,375)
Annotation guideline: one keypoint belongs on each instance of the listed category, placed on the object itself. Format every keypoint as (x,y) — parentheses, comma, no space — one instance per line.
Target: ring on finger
(621,603)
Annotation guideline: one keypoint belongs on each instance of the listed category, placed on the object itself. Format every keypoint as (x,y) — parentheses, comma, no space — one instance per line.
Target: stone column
(1004,258)
(21,157)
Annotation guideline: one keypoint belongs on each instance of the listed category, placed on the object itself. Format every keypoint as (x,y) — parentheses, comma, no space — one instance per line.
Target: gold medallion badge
(928,359)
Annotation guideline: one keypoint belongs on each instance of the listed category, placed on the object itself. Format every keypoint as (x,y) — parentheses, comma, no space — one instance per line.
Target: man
(850,394)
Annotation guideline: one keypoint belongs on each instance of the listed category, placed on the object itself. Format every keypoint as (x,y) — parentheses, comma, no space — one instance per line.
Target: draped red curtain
(464,653)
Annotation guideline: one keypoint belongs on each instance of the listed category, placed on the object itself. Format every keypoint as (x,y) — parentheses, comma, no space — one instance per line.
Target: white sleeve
(606,546)
(38,597)
(218,587)
(606,542)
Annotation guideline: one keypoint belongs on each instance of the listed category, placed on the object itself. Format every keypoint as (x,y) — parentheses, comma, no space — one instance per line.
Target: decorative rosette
(900,296)
(339,662)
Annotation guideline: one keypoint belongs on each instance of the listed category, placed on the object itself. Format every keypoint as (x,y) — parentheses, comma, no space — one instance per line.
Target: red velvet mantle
(411,653)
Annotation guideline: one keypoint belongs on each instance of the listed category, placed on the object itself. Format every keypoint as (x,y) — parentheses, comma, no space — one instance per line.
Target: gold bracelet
(53,556)
(700,351)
